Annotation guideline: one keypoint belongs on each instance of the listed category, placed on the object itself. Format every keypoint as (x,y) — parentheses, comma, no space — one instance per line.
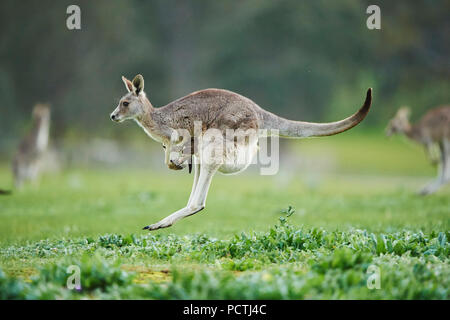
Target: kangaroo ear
(138,83)
(128,84)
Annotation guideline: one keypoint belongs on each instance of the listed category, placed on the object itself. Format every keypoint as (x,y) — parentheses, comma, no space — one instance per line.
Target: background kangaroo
(218,110)
(433,132)
(27,161)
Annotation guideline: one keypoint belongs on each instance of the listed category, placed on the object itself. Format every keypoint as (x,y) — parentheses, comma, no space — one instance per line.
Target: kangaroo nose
(113,117)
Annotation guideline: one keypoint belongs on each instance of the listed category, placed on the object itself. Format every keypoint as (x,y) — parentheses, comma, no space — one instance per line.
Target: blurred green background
(303,60)
(306,60)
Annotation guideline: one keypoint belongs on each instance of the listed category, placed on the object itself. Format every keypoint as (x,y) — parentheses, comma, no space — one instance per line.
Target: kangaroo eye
(125,103)
(164,146)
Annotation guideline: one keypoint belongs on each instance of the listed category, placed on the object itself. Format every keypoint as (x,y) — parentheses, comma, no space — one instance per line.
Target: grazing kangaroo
(27,161)
(432,130)
(213,112)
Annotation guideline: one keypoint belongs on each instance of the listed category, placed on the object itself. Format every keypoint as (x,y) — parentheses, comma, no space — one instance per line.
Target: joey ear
(128,84)
(138,83)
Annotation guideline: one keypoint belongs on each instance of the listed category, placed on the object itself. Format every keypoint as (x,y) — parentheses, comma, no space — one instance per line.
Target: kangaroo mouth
(116,118)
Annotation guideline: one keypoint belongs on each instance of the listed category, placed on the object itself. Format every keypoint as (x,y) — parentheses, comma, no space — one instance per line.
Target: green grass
(361,210)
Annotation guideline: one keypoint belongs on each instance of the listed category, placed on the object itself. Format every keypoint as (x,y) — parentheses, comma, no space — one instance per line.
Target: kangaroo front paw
(158,225)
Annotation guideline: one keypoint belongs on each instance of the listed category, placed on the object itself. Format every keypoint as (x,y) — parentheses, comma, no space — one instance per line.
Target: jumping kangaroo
(216,111)
(432,130)
(26,162)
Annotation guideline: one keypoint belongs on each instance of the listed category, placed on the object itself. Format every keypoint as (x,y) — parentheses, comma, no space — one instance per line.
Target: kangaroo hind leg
(444,170)
(196,201)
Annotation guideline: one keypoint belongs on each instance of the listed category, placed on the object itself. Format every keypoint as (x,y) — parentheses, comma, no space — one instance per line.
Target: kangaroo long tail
(299,129)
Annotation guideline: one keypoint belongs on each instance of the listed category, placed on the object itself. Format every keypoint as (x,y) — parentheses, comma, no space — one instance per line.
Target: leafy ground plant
(283,263)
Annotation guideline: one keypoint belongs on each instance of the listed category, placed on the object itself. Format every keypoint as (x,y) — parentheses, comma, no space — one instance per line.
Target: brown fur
(432,130)
(222,109)
(214,108)
(433,126)
(31,148)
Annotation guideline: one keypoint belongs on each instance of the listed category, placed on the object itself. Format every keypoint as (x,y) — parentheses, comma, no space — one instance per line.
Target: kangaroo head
(41,111)
(134,103)
(400,122)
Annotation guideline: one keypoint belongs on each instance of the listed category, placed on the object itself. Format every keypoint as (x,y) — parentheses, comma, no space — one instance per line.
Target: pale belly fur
(239,160)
